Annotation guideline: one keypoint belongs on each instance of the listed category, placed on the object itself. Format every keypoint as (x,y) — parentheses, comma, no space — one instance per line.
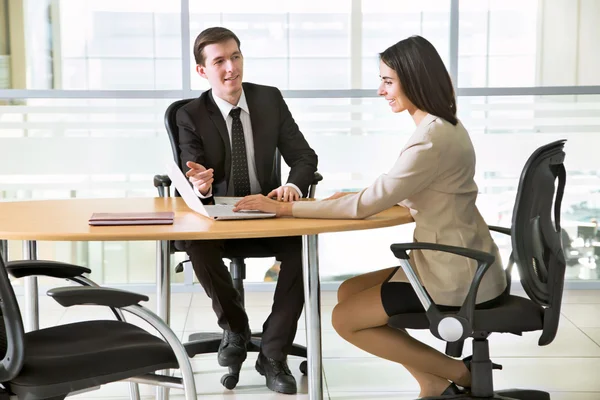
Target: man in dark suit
(228,138)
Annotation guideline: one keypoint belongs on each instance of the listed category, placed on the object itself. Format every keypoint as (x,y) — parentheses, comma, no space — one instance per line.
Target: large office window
(84,85)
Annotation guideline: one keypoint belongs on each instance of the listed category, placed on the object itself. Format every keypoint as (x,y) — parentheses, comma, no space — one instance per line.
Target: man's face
(223,68)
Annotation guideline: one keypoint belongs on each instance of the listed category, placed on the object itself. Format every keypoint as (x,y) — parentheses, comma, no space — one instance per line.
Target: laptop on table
(223,210)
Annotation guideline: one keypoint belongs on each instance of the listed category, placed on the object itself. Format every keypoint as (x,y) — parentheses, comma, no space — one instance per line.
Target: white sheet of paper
(184,188)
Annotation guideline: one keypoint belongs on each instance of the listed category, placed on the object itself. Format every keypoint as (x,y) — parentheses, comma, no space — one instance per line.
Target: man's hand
(338,195)
(262,203)
(200,177)
(284,193)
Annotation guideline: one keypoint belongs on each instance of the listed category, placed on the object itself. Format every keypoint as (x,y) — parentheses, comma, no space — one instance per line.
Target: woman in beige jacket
(433,177)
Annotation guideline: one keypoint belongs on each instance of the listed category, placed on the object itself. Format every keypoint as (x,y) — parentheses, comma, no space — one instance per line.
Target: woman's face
(391,89)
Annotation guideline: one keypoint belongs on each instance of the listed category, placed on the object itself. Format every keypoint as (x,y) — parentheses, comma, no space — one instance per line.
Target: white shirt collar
(226,107)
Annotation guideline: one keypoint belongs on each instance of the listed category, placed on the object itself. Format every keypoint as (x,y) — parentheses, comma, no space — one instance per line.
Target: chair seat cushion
(514,315)
(90,352)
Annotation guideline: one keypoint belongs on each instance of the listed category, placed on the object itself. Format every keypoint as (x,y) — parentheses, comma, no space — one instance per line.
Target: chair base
(511,394)
(209,342)
(523,394)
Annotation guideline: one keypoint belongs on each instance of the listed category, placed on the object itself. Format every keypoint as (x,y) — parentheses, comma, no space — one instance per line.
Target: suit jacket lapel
(219,122)
(257,119)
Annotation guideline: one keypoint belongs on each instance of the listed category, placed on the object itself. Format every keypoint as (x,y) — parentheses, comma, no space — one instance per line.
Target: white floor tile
(177,300)
(576,374)
(114,391)
(583,315)
(208,375)
(234,395)
(413,395)
(574,395)
(333,345)
(375,375)
(373,395)
(49,318)
(367,375)
(593,333)
(570,341)
(581,296)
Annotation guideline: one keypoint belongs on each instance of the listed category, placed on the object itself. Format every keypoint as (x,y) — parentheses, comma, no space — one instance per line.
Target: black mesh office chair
(51,363)
(209,342)
(538,254)
(54,269)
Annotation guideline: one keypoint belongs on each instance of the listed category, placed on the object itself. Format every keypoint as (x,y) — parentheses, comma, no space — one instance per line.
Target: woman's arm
(414,170)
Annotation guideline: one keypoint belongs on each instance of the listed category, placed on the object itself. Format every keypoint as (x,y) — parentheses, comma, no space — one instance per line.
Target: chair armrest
(54,269)
(450,328)
(161,182)
(313,186)
(399,250)
(86,295)
(181,353)
(318,178)
(500,229)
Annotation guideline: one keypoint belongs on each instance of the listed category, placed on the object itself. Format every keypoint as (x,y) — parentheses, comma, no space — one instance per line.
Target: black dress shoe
(278,375)
(451,392)
(232,350)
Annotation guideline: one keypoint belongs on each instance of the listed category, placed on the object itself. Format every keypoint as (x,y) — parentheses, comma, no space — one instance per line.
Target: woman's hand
(262,203)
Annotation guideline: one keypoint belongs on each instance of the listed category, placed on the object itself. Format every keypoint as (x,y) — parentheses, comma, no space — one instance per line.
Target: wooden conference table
(67,220)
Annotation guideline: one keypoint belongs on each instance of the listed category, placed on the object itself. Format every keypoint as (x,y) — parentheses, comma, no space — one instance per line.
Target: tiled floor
(568,367)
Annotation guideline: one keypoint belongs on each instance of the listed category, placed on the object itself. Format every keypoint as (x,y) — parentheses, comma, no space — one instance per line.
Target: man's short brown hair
(211,36)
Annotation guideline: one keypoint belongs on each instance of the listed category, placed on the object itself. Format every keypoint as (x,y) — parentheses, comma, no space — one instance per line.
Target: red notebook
(132,218)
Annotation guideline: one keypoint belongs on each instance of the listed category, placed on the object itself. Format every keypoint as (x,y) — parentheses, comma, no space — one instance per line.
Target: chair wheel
(303,368)
(230,381)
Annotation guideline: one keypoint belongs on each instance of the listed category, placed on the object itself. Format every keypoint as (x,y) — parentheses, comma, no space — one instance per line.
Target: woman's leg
(362,321)
(355,285)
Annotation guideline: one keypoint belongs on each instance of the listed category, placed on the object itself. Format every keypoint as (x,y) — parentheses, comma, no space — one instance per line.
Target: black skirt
(400,298)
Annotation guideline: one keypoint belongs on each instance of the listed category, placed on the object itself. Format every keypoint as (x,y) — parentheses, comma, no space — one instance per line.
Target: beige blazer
(433,177)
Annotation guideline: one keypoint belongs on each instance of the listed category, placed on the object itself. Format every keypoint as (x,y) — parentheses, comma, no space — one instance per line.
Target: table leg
(4,250)
(163,296)
(32,310)
(312,299)
(163,281)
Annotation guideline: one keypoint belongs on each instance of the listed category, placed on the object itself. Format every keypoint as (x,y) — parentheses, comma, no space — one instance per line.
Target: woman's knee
(342,320)
(345,290)
(338,319)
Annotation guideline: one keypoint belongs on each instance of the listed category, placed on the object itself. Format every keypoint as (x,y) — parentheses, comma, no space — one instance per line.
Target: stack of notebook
(132,218)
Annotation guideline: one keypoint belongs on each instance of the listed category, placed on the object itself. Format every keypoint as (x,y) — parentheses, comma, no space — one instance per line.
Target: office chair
(537,252)
(209,342)
(51,363)
(74,273)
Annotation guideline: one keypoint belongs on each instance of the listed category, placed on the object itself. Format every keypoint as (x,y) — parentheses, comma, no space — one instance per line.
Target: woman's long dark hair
(423,76)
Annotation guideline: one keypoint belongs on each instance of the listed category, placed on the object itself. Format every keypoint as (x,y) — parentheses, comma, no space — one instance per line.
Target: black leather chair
(54,362)
(538,254)
(209,342)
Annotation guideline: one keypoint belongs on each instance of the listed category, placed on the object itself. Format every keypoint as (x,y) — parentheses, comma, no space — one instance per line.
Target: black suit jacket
(203,138)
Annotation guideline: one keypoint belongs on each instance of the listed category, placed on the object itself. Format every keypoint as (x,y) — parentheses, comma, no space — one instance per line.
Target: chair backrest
(173,132)
(12,334)
(536,232)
